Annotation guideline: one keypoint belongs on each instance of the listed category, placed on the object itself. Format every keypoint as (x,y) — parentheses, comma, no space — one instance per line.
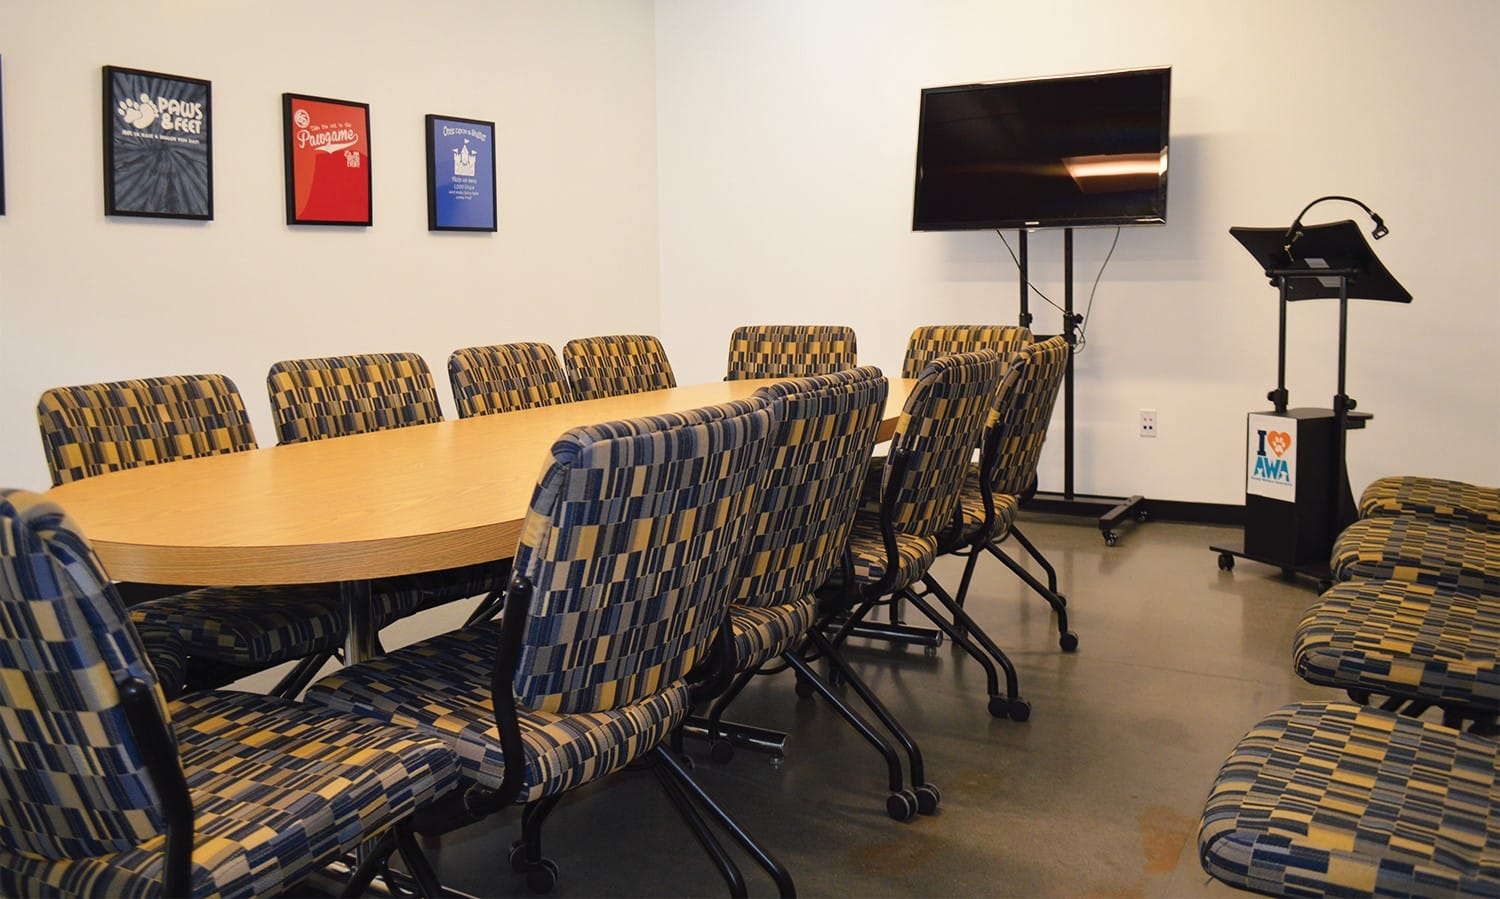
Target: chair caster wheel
(901,805)
(1020,710)
(1068,642)
(928,797)
(804,688)
(543,877)
(1226,562)
(999,707)
(721,751)
(929,651)
(1111,538)
(518,857)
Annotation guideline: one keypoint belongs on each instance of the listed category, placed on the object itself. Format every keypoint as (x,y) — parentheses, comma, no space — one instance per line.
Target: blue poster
(158,156)
(460,174)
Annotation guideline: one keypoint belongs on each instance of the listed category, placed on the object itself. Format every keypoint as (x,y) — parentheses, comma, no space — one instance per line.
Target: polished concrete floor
(1096,795)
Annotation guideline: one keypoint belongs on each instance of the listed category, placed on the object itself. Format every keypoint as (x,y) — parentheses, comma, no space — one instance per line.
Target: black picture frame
(158,145)
(460,174)
(334,188)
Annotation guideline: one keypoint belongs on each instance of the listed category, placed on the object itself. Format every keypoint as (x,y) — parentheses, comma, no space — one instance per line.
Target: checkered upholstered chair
(506,377)
(616,365)
(106,789)
(1423,550)
(1005,476)
(912,498)
(336,396)
(1456,502)
(1417,645)
(826,430)
(91,429)
(931,341)
(790,351)
(1332,799)
(617,595)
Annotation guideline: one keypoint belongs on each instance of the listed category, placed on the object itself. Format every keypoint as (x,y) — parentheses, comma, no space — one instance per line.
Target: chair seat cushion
(970,527)
(761,634)
(279,790)
(249,626)
(397,597)
(1402,639)
(1337,799)
(442,685)
(1424,551)
(1452,501)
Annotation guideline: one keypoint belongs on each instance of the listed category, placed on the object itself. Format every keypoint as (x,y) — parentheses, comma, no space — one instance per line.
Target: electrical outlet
(1148,422)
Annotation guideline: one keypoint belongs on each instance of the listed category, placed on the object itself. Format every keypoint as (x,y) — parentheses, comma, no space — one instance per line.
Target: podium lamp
(1297,495)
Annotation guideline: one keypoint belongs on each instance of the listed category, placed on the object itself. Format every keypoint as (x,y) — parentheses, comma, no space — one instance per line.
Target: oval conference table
(350,509)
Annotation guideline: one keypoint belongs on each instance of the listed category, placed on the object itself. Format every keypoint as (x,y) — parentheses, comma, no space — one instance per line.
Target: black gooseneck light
(1294,233)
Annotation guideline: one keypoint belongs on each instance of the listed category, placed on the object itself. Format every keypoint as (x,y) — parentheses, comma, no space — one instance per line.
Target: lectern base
(1319,573)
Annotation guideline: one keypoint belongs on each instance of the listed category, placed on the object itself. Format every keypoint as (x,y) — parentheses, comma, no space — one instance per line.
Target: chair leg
(903,804)
(488,608)
(1010,704)
(302,674)
(369,865)
(969,564)
(1036,556)
(670,767)
(705,837)
(1066,638)
(417,864)
(526,853)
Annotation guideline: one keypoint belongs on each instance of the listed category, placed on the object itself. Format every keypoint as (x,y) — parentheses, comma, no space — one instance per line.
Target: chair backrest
(1023,417)
(506,377)
(91,429)
(931,341)
(790,351)
(615,365)
(935,438)
(335,396)
(73,778)
(820,447)
(633,532)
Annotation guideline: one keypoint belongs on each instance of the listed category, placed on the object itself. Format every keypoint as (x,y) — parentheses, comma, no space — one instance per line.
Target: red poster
(327,161)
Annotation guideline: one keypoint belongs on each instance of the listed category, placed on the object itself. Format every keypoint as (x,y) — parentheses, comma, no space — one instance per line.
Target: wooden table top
(371,505)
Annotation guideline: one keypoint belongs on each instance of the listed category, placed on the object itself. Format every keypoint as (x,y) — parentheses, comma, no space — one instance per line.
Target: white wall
(570,85)
(787,131)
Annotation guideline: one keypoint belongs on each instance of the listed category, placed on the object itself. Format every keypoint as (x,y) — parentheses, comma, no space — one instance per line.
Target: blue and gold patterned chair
(505,378)
(1417,645)
(790,351)
(106,789)
(1005,476)
(226,632)
(1455,502)
(909,501)
(931,341)
(616,365)
(1422,550)
(1333,799)
(826,430)
(617,595)
(336,396)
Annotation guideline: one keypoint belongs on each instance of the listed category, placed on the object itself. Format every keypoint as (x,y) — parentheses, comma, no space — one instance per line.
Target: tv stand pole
(1111,511)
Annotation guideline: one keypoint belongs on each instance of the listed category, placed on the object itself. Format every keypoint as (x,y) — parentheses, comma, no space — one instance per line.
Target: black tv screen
(1071,151)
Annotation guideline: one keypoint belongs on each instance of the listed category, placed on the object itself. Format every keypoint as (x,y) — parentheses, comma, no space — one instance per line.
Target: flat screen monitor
(1069,151)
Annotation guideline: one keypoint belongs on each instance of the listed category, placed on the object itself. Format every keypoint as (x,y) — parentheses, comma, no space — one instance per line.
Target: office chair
(790,351)
(505,378)
(617,595)
(1333,799)
(931,341)
(1005,477)
(911,499)
(1428,551)
(1455,502)
(91,429)
(826,429)
(106,789)
(616,365)
(336,396)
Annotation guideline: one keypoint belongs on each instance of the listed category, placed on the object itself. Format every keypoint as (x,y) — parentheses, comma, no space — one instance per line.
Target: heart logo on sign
(1279,442)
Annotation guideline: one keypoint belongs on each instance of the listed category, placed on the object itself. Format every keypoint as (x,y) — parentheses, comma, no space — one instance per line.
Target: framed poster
(327,161)
(460,174)
(158,145)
